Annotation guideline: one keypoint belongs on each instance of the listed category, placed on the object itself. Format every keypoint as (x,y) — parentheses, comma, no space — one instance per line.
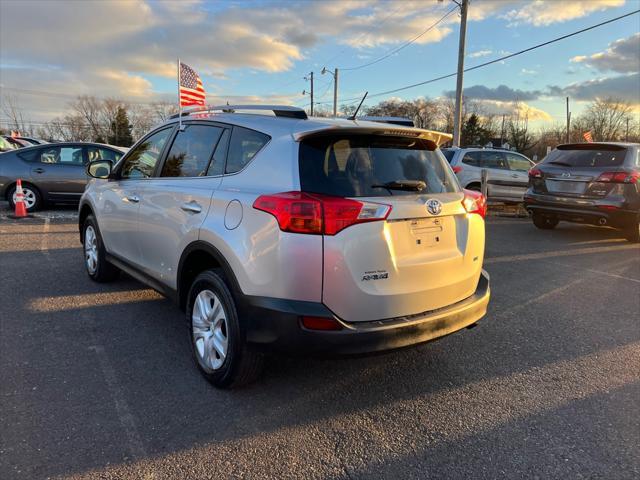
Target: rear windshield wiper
(559,162)
(408,185)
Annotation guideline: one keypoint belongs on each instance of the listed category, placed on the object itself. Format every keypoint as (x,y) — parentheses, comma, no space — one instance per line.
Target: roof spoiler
(285,111)
(438,138)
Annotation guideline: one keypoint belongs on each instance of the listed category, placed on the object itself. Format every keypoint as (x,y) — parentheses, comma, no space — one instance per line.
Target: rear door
(176,201)
(419,258)
(519,171)
(499,178)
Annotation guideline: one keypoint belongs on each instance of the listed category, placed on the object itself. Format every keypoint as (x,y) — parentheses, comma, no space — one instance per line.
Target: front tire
(98,268)
(217,338)
(544,222)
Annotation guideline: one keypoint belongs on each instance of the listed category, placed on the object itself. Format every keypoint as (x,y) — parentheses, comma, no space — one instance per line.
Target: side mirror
(99,168)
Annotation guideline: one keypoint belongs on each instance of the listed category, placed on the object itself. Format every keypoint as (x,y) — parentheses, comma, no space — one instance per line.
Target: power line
(404,45)
(498,59)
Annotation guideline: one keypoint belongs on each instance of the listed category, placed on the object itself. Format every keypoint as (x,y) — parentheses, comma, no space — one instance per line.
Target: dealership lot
(97,381)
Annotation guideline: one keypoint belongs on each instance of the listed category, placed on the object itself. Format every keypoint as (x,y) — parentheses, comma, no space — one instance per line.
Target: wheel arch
(25,183)
(197,257)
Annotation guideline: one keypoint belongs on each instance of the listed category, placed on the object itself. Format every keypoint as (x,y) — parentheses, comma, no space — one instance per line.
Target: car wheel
(544,222)
(98,268)
(32,198)
(632,233)
(216,335)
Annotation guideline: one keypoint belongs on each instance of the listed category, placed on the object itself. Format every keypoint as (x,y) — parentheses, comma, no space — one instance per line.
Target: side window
(243,147)
(492,159)
(191,151)
(142,160)
(216,167)
(62,155)
(472,158)
(518,163)
(97,153)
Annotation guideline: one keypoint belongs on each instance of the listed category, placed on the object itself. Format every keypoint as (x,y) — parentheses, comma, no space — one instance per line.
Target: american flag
(191,90)
(587,136)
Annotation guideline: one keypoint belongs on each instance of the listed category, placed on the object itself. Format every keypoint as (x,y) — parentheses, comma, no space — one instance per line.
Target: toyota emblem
(566,174)
(434,207)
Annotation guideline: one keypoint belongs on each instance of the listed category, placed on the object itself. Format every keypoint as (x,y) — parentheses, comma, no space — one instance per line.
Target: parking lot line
(558,253)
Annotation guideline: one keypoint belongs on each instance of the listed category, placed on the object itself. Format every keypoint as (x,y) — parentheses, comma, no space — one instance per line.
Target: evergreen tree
(120,133)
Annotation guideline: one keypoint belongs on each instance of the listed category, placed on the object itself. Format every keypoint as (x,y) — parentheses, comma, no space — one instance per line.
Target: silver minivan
(274,231)
(508,172)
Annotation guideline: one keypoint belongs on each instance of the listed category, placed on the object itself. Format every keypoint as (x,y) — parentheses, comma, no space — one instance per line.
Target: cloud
(521,109)
(480,53)
(622,56)
(545,12)
(526,71)
(623,87)
(500,93)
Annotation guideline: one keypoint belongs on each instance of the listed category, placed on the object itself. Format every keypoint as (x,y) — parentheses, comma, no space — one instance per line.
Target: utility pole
(304,92)
(335,88)
(502,131)
(457,121)
(568,121)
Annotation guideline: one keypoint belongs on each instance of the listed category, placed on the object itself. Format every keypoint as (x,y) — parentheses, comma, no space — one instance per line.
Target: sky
(260,51)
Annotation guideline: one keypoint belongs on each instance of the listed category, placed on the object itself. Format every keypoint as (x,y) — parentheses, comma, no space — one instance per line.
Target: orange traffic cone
(21,209)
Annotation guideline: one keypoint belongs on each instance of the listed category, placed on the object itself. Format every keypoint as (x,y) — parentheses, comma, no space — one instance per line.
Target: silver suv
(508,172)
(274,231)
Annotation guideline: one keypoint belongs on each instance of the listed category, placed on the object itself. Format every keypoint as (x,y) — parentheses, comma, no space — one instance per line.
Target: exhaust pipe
(602,221)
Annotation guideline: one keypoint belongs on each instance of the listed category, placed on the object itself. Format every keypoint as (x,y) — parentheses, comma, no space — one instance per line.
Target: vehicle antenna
(353,117)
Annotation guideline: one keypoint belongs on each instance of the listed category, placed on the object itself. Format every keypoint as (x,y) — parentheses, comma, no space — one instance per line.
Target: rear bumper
(615,214)
(275,324)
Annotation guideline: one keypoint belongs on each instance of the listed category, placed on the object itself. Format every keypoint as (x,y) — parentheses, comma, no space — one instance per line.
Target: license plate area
(427,232)
(564,186)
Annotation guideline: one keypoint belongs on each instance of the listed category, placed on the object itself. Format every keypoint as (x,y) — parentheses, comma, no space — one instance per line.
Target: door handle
(514,175)
(191,207)
(133,198)
(38,170)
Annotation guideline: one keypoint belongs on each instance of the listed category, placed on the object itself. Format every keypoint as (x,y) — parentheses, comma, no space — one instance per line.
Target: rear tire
(544,222)
(98,268)
(216,335)
(32,198)
(632,233)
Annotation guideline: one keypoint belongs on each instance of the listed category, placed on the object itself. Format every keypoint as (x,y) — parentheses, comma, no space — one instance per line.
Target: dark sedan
(51,173)
(594,183)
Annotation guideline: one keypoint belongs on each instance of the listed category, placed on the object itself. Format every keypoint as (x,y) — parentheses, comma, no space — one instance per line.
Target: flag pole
(179,102)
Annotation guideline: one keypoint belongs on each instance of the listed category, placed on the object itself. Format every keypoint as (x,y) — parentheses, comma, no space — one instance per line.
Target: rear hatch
(424,253)
(581,171)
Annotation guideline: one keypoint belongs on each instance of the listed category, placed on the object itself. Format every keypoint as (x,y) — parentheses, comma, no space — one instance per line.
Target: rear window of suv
(350,165)
(586,155)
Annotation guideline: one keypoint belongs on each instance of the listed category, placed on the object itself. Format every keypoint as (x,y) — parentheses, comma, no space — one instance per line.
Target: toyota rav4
(274,231)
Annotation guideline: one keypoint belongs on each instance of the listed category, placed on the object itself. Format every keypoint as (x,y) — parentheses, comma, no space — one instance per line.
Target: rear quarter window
(352,165)
(244,145)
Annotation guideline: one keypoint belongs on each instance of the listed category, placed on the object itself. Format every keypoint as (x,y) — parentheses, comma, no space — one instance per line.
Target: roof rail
(278,110)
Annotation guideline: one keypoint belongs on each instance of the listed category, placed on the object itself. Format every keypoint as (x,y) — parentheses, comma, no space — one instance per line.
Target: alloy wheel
(209,330)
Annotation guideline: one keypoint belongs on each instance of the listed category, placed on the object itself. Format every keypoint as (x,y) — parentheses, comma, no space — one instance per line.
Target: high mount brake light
(619,177)
(475,202)
(535,173)
(457,169)
(300,212)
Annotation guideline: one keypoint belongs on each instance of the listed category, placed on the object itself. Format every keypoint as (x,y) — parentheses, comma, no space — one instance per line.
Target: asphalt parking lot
(97,381)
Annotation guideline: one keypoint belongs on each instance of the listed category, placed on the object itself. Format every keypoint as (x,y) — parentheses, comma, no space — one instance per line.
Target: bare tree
(11,108)
(163,110)
(605,119)
(518,133)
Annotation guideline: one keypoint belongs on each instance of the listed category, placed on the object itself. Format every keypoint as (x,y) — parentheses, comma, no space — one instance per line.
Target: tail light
(619,177)
(457,169)
(535,173)
(475,202)
(300,212)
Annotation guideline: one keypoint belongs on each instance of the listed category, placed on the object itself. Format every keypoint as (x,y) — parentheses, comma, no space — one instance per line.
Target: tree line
(120,123)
